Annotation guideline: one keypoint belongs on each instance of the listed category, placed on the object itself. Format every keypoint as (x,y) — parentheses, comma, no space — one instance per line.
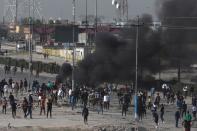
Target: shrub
(37,65)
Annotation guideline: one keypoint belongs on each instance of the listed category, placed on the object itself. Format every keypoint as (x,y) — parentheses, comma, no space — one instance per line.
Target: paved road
(11,47)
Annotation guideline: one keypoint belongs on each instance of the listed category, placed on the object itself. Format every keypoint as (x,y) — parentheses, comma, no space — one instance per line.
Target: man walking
(177,117)
(49,108)
(124,109)
(156,119)
(14,109)
(4,105)
(30,104)
(194,112)
(25,107)
(184,109)
(25,84)
(162,113)
(42,105)
(85,114)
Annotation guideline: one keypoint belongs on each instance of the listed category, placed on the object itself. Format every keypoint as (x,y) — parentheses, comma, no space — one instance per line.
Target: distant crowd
(21,95)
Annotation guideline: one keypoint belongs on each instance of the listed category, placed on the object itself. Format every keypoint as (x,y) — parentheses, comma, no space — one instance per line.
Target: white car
(21,45)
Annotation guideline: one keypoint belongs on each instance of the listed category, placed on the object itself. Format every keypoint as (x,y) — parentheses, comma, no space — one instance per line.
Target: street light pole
(30,46)
(96,18)
(86,22)
(136,69)
(16,15)
(73,59)
(33,20)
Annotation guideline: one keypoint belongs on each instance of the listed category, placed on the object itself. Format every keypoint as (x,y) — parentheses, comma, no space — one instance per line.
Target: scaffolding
(121,9)
(14,10)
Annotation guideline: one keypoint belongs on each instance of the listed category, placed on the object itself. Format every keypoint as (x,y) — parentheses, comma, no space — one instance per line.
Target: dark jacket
(156,117)
(162,110)
(177,115)
(11,98)
(85,112)
(30,100)
(14,106)
(49,104)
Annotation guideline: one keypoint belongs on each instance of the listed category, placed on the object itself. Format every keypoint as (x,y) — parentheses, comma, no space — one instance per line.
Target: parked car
(21,45)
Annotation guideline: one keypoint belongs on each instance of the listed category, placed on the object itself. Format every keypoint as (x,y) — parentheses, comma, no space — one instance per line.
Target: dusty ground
(64,119)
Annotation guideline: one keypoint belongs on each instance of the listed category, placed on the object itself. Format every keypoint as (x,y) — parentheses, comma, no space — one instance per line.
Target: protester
(49,107)
(42,105)
(185,90)
(184,109)
(177,117)
(85,114)
(30,105)
(11,98)
(149,102)
(194,112)
(14,106)
(162,113)
(5,89)
(25,84)
(100,104)
(4,105)
(157,100)
(25,107)
(156,119)
(106,101)
(21,86)
(124,109)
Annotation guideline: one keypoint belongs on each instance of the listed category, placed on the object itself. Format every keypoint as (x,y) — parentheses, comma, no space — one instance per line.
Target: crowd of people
(10,90)
(45,95)
(157,105)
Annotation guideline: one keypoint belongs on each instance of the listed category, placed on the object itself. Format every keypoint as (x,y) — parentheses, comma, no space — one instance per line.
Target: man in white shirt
(69,94)
(13,86)
(185,90)
(5,88)
(194,112)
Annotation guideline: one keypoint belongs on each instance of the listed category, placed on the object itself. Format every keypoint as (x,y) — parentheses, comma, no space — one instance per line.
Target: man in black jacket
(11,98)
(49,108)
(177,117)
(85,114)
(30,104)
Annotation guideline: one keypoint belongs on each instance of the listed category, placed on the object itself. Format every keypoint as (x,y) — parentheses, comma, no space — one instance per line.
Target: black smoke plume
(179,18)
(114,57)
(104,65)
(65,72)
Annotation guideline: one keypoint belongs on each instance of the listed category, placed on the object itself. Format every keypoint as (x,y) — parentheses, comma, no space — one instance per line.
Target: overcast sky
(63,8)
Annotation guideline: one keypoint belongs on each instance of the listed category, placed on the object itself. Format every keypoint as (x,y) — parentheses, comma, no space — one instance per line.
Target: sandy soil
(64,119)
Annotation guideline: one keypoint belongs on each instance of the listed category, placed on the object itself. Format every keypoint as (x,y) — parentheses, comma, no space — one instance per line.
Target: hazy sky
(63,8)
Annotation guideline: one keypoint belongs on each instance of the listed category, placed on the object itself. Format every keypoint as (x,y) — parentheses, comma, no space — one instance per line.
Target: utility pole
(15,22)
(16,15)
(73,59)
(96,19)
(33,22)
(136,69)
(86,22)
(30,46)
